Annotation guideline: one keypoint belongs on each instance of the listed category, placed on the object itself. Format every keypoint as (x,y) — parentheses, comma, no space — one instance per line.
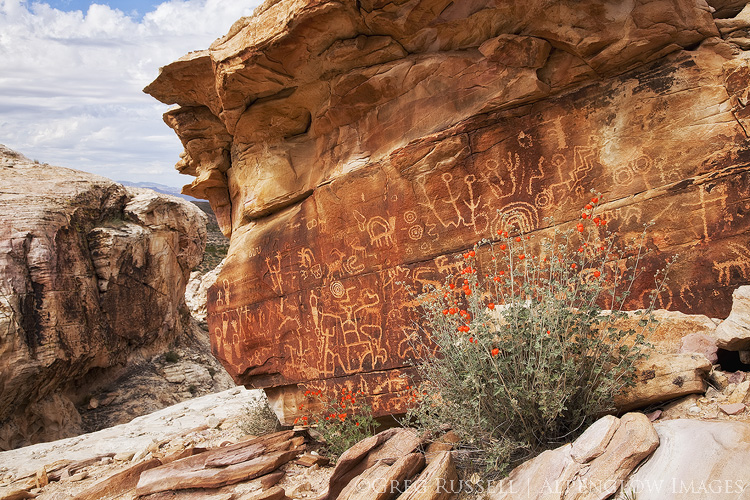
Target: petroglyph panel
(316,292)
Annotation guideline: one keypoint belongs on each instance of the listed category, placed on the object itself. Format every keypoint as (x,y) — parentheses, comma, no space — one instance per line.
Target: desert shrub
(259,419)
(524,355)
(171,357)
(342,420)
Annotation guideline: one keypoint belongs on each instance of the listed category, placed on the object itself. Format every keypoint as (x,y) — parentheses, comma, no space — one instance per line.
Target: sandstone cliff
(348,147)
(90,273)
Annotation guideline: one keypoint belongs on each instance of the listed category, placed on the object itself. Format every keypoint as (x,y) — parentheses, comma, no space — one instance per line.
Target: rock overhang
(348,147)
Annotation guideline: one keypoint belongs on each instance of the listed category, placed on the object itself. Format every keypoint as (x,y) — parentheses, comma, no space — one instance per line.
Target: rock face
(673,472)
(89,272)
(350,148)
(662,377)
(734,332)
(680,458)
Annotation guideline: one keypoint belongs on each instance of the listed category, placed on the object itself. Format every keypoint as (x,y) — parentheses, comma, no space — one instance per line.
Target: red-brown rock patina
(351,149)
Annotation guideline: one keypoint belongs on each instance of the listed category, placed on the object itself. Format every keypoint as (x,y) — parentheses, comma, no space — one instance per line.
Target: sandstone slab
(662,377)
(436,482)
(732,408)
(695,460)
(734,332)
(349,149)
(608,452)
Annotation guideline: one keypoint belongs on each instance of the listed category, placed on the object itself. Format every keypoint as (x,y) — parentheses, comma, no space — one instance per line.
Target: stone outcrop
(90,272)
(352,148)
(630,456)
(695,459)
(662,377)
(734,332)
(592,467)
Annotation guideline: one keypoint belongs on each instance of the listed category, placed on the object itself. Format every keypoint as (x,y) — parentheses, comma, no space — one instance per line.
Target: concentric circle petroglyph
(337,289)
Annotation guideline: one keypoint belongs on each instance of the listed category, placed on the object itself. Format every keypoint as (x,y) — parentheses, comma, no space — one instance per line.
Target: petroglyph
(380,230)
(715,200)
(521,215)
(738,262)
(416,232)
(274,271)
(337,289)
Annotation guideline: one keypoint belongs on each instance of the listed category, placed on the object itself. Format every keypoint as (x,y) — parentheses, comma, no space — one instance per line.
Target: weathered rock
(118,484)
(150,382)
(444,443)
(383,481)
(700,344)
(734,332)
(437,482)
(15,494)
(740,393)
(634,440)
(662,377)
(737,377)
(273,493)
(222,466)
(607,453)
(594,441)
(732,408)
(696,459)
(672,328)
(386,447)
(196,291)
(718,379)
(89,272)
(308,460)
(350,149)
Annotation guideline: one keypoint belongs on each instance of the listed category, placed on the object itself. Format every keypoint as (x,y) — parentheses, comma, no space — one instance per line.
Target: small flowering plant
(528,347)
(343,420)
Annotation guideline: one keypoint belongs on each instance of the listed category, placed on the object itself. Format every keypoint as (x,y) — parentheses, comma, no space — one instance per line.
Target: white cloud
(70,84)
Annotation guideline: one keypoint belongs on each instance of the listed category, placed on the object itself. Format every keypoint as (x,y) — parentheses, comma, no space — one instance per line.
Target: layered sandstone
(352,148)
(90,271)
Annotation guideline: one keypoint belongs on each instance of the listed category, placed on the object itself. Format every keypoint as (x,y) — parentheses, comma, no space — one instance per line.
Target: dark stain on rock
(31,319)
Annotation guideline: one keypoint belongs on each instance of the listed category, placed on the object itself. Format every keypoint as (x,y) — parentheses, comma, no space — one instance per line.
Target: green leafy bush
(342,421)
(524,356)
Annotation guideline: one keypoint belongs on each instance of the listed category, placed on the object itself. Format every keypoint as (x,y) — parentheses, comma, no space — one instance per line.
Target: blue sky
(134,8)
(73,73)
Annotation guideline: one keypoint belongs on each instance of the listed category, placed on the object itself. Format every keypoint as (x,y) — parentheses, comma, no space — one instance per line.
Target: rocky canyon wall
(90,271)
(352,148)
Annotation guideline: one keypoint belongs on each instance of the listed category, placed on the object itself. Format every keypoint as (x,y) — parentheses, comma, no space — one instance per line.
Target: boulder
(662,377)
(592,467)
(734,332)
(351,149)
(376,467)
(196,291)
(90,272)
(695,459)
(679,332)
(223,466)
(436,482)
(700,344)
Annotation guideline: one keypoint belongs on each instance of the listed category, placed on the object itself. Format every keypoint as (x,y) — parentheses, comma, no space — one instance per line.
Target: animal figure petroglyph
(740,263)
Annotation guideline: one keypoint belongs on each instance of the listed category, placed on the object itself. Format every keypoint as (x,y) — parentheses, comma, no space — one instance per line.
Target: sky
(72,74)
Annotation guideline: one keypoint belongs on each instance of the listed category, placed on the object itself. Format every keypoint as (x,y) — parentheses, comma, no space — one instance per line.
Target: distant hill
(159,188)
